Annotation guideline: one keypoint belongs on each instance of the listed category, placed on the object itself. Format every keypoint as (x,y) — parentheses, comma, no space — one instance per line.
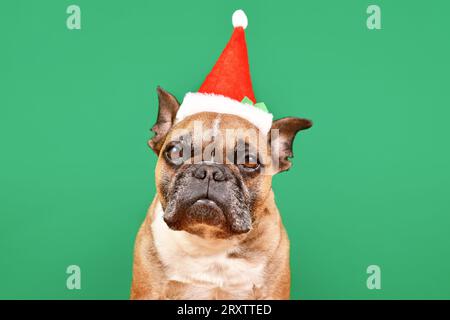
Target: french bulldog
(213,230)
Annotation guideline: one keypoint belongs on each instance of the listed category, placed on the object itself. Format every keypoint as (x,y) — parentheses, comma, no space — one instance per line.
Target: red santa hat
(228,87)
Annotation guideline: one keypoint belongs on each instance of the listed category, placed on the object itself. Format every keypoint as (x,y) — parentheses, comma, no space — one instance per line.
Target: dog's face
(214,171)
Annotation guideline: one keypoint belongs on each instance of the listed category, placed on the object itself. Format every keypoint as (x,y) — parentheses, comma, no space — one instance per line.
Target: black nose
(210,171)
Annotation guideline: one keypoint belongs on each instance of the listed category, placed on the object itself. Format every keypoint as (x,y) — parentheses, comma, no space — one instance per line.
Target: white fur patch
(195,102)
(204,263)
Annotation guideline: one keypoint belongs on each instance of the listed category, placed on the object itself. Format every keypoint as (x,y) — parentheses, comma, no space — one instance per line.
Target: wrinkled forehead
(208,125)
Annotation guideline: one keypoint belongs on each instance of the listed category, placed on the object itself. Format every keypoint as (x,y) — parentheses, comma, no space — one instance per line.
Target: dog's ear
(168,107)
(281,139)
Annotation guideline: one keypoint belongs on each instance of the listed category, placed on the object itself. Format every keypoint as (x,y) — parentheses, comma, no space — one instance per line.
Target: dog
(213,230)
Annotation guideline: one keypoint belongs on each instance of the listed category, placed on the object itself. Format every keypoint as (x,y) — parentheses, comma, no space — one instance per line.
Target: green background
(370,180)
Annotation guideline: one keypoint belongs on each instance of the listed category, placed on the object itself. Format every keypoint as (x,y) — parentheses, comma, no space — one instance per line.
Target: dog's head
(214,171)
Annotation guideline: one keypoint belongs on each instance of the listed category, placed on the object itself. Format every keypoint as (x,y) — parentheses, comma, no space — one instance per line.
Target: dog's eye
(174,153)
(251,162)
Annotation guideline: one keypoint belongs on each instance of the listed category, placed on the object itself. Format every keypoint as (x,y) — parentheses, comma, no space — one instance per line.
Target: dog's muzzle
(208,194)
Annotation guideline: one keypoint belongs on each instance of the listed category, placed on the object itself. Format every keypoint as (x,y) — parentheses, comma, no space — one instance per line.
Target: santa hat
(228,87)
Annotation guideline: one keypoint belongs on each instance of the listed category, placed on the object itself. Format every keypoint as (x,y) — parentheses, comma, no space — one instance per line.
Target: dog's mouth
(205,215)
(207,211)
(200,211)
(207,203)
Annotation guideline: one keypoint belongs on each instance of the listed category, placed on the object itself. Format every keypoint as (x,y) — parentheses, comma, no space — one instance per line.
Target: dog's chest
(204,267)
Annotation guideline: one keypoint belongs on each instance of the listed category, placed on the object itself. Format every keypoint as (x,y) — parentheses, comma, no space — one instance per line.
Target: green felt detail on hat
(260,105)
(247,101)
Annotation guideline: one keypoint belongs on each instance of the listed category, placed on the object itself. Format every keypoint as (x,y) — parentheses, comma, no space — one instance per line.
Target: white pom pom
(239,19)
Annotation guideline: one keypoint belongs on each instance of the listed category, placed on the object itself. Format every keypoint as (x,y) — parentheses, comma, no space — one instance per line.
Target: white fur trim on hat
(195,102)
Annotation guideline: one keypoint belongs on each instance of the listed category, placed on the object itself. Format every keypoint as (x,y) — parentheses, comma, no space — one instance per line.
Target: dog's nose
(209,171)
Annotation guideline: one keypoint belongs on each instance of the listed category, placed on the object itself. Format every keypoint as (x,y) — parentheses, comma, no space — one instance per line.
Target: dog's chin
(206,211)
(204,218)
